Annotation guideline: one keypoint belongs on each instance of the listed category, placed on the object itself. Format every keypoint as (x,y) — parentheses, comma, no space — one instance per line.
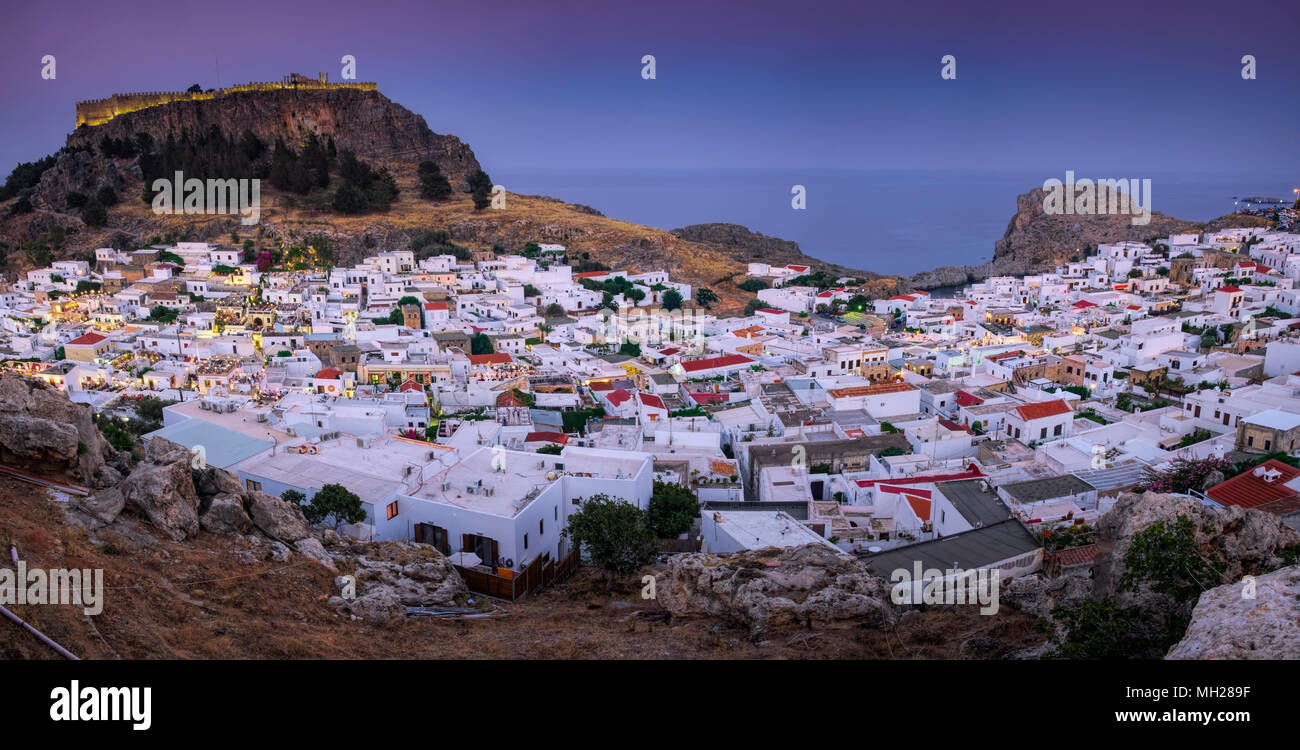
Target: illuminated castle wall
(100,111)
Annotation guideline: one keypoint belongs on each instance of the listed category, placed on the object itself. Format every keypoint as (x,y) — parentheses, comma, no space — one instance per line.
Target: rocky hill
(365,122)
(1036,241)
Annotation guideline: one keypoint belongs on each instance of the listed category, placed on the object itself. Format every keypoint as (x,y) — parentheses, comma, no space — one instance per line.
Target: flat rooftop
(756,529)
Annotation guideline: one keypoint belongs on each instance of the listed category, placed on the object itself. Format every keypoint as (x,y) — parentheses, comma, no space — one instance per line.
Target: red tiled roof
(601,385)
(800,269)
(547,437)
(1134,307)
(972,472)
(729,360)
(590,274)
(770,310)
(669,351)
(954,426)
(710,398)
(919,506)
(903,297)
(1084,303)
(435,305)
(89,339)
(1228,289)
(651,400)
(968,399)
(510,398)
(328,373)
(411,385)
(1068,558)
(1042,409)
(1249,491)
(618,397)
(499,358)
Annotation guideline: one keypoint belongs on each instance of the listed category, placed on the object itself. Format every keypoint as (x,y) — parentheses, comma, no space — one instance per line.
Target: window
(525,541)
(252,486)
(541,526)
(392,510)
(1057,430)
(557,512)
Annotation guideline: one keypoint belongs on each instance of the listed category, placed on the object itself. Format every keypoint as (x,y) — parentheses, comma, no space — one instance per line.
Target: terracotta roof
(920,507)
(435,305)
(499,358)
(601,385)
(1084,303)
(896,490)
(1228,289)
(510,398)
(618,397)
(729,360)
(651,400)
(1068,558)
(1042,409)
(89,339)
(1246,490)
(723,468)
(771,311)
(411,385)
(967,399)
(328,373)
(547,437)
(706,397)
(800,269)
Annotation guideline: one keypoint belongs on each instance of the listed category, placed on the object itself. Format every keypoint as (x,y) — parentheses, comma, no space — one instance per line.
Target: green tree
(94,214)
(705,296)
(480,186)
(107,196)
(630,349)
(551,449)
(672,299)
(673,508)
(481,344)
(554,310)
(294,498)
(334,500)
(433,185)
(616,534)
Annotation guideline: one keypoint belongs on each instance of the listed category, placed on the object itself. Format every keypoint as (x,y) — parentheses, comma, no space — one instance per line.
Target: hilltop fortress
(100,111)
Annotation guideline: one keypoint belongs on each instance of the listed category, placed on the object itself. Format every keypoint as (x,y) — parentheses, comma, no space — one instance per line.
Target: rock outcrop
(1246,620)
(365,122)
(390,576)
(159,487)
(42,432)
(1247,541)
(810,585)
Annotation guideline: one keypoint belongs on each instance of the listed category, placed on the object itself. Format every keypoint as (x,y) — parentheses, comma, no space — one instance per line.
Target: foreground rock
(810,585)
(1227,625)
(160,488)
(42,432)
(391,576)
(1247,541)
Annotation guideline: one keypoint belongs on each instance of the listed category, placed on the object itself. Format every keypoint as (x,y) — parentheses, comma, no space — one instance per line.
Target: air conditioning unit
(261,417)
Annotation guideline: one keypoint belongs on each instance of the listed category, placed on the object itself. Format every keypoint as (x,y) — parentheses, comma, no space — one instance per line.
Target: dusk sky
(1116,89)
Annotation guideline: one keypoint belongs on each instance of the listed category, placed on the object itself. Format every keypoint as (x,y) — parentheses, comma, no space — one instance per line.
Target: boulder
(275,517)
(1235,622)
(391,576)
(103,506)
(225,514)
(812,585)
(214,481)
(311,547)
(161,488)
(41,431)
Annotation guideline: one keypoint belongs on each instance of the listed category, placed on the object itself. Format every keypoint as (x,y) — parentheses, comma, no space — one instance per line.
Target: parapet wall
(100,111)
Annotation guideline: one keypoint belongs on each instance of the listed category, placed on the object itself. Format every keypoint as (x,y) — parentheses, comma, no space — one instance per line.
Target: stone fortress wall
(100,111)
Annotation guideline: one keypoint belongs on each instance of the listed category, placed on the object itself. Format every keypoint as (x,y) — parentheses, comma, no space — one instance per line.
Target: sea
(887,221)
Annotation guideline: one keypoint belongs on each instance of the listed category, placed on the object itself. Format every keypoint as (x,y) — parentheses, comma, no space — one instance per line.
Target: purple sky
(1112,88)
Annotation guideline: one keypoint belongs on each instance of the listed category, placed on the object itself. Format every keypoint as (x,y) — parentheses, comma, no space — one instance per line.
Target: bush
(673,509)
(616,534)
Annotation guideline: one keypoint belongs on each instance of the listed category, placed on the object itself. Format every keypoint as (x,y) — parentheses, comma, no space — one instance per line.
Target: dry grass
(192,600)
